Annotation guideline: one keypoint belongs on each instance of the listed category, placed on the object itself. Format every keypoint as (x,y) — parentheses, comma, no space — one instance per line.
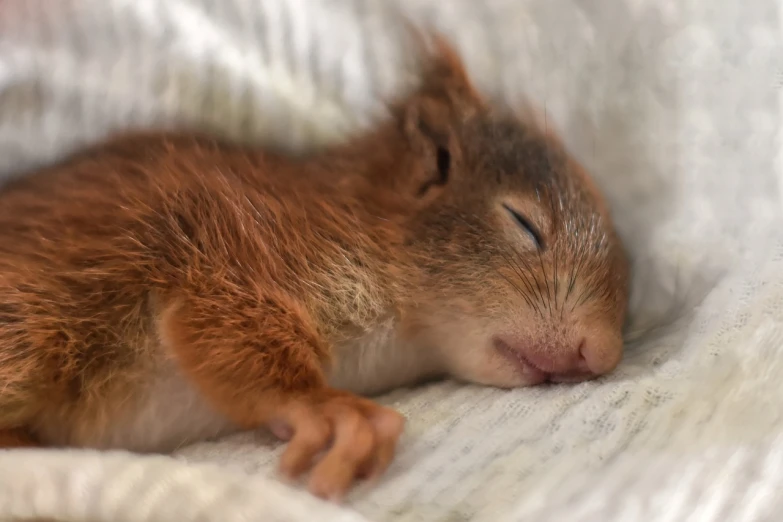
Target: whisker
(583,253)
(537,286)
(581,257)
(519,290)
(546,282)
(556,251)
(523,276)
(586,296)
(527,276)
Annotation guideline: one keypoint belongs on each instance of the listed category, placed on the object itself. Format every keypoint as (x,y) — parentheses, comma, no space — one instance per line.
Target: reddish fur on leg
(246,355)
(267,370)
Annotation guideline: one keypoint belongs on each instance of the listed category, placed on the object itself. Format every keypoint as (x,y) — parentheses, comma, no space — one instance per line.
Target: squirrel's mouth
(532,373)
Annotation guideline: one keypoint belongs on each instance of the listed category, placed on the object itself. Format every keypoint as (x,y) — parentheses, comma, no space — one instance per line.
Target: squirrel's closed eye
(526,225)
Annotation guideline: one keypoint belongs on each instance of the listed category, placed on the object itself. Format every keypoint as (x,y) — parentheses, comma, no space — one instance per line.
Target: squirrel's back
(90,248)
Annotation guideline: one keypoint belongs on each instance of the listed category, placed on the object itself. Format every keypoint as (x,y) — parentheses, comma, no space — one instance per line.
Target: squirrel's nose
(564,357)
(577,358)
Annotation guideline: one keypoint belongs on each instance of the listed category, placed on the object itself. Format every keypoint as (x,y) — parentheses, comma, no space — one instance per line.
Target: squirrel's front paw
(358,436)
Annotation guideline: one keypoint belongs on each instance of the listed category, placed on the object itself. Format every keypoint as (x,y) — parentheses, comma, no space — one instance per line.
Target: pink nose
(581,359)
(558,359)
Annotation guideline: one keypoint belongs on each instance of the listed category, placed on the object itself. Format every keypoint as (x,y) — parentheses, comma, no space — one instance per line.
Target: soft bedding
(674,105)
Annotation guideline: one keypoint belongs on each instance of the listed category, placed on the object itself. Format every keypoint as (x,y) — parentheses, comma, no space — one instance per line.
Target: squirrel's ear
(433,142)
(432,116)
(444,78)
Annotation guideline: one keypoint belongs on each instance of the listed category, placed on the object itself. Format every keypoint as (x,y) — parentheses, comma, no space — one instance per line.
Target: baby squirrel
(166,288)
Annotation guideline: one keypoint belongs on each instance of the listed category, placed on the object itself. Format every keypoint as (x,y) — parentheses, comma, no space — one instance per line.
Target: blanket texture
(674,105)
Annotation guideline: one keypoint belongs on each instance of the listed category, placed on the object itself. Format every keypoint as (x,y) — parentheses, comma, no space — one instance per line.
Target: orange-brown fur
(242,270)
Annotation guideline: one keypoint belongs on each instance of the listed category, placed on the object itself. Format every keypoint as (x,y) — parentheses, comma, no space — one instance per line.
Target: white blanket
(675,106)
